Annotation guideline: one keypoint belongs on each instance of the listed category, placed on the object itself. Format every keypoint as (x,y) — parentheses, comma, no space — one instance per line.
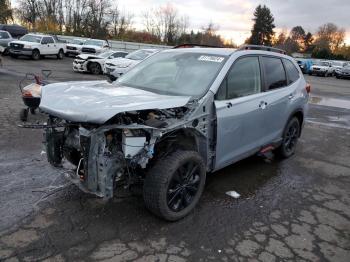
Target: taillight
(308,88)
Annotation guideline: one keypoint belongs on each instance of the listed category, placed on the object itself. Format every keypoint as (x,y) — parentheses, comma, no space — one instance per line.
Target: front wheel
(95,68)
(289,138)
(35,55)
(60,54)
(174,185)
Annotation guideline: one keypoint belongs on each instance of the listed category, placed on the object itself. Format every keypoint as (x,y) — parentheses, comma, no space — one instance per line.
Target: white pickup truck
(37,45)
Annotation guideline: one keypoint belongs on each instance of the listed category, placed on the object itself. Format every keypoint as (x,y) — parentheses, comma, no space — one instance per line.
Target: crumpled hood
(86,56)
(124,62)
(98,101)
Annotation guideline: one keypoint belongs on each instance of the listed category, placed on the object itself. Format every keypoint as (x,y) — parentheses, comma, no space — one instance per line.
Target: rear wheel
(13,55)
(174,185)
(23,114)
(290,138)
(95,68)
(35,55)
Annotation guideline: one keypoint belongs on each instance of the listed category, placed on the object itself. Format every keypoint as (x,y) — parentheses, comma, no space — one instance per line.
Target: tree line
(165,25)
(327,42)
(104,19)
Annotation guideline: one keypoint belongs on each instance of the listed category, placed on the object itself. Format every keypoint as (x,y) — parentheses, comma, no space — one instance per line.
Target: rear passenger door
(279,94)
(240,120)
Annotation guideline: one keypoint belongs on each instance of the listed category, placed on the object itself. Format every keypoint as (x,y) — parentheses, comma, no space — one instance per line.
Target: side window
(292,72)
(275,76)
(243,79)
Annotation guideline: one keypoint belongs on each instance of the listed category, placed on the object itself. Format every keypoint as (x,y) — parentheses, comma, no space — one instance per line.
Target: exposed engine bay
(102,157)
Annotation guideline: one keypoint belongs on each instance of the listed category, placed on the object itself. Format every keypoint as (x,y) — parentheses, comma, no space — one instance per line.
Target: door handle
(262,104)
(291,96)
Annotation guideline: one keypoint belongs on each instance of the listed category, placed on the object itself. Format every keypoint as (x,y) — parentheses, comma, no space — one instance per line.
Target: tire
(60,54)
(310,74)
(164,178)
(32,111)
(35,54)
(6,52)
(95,68)
(13,55)
(289,139)
(112,78)
(23,114)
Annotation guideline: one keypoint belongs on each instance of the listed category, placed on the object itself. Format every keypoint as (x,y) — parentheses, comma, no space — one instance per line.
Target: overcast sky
(234,16)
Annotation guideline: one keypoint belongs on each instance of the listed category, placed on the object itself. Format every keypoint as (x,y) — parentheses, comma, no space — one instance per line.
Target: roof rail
(263,48)
(194,45)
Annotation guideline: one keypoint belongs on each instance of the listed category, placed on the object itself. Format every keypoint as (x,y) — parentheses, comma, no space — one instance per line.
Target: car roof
(206,50)
(227,51)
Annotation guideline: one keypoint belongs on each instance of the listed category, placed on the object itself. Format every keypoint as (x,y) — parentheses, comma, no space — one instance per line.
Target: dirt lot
(297,209)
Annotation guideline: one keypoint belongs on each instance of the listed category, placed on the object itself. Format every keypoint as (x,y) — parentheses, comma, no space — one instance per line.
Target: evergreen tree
(262,32)
(5,12)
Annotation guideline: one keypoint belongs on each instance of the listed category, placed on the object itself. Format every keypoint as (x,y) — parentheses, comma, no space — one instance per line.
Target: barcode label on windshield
(216,59)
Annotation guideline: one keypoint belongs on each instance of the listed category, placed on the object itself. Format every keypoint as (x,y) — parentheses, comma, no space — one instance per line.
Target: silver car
(5,39)
(173,118)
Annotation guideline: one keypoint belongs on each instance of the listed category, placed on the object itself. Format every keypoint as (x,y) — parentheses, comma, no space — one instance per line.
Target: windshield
(31,38)
(175,73)
(106,54)
(93,42)
(139,54)
(77,42)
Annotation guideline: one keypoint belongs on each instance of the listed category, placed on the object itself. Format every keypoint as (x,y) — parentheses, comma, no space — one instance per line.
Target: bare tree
(329,36)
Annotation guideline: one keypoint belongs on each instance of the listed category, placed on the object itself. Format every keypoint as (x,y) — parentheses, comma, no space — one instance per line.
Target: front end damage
(100,157)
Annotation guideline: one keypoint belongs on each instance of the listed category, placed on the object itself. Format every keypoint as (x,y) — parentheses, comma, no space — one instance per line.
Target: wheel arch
(185,139)
(299,114)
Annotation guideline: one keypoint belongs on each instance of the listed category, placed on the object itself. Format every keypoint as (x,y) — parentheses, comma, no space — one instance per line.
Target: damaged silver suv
(173,118)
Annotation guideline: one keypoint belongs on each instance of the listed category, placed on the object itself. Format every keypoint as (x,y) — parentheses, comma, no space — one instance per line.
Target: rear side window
(292,71)
(243,79)
(4,35)
(275,76)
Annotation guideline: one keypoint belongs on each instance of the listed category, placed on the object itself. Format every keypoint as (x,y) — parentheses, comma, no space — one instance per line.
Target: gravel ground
(292,210)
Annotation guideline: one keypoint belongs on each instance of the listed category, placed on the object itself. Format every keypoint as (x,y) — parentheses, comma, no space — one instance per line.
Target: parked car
(95,46)
(37,45)
(344,72)
(94,63)
(322,68)
(338,65)
(15,30)
(171,119)
(119,66)
(5,39)
(74,47)
(305,65)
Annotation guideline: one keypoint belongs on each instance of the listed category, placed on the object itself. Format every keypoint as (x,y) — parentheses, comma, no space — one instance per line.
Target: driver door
(239,109)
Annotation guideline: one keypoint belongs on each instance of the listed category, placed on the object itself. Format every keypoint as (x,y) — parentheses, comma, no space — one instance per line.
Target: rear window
(292,71)
(275,76)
